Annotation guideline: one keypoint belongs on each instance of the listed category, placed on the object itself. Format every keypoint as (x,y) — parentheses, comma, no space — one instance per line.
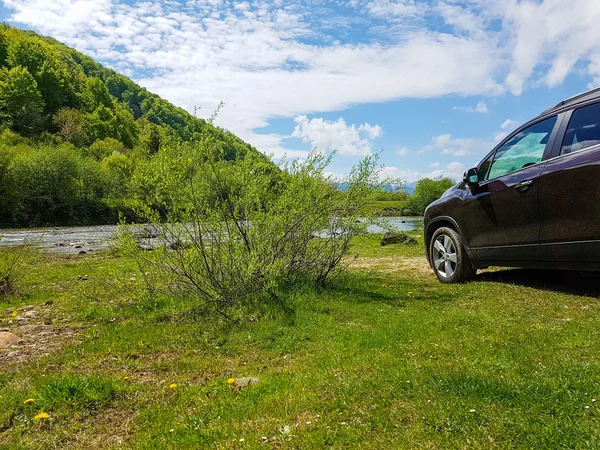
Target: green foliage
(229,232)
(70,108)
(77,391)
(427,190)
(15,266)
(70,126)
(21,103)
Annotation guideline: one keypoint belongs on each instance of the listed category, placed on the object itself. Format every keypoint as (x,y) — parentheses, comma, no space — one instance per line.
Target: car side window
(583,130)
(485,168)
(524,149)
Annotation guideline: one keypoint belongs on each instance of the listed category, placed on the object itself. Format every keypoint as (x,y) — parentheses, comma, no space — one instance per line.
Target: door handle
(524,186)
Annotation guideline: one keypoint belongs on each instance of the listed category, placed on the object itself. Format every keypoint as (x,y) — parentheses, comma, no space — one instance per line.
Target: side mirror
(471,177)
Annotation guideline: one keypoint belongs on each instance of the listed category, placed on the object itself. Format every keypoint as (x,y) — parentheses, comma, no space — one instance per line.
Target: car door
(501,214)
(569,191)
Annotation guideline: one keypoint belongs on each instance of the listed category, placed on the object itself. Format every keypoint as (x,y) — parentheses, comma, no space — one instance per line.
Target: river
(74,240)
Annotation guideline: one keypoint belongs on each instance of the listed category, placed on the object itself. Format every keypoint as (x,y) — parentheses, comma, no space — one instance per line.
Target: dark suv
(533,201)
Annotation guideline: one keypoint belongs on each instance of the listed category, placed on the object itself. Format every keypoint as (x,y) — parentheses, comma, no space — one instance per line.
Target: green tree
(100,150)
(42,62)
(427,190)
(70,126)
(21,103)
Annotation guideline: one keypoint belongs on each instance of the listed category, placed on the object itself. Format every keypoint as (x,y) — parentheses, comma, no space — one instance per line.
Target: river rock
(397,238)
(245,381)
(8,339)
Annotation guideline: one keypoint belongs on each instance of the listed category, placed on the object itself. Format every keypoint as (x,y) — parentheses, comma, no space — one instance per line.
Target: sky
(431,85)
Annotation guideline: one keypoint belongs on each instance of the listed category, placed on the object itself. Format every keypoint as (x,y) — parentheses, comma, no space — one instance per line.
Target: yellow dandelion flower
(29,400)
(14,314)
(42,416)
(126,378)
(303,389)
(172,386)
(383,285)
(410,293)
(231,381)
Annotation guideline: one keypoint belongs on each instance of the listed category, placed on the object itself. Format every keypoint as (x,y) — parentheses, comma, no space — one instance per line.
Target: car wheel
(449,258)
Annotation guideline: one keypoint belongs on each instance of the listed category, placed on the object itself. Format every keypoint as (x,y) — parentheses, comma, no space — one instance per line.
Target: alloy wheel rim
(445,259)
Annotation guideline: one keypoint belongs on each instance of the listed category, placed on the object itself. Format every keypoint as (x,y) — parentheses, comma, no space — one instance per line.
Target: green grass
(385,357)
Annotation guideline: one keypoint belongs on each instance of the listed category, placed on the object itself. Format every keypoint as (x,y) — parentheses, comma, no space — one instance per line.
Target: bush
(14,267)
(228,232)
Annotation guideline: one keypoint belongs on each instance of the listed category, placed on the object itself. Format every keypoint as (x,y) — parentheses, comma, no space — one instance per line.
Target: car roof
(592,94)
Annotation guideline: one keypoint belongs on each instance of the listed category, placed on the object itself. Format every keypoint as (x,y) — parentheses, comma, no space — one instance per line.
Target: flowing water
(74,240)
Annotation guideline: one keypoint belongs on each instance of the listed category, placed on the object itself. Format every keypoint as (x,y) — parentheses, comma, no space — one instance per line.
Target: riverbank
(384,357)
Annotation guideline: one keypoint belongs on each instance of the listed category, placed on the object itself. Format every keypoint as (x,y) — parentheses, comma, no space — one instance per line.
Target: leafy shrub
(227,232)
(14,267)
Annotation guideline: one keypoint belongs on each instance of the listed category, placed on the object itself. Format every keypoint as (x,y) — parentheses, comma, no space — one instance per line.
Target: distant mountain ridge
(409,188)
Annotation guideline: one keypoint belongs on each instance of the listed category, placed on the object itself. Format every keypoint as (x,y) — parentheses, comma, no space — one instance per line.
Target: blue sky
(434,84)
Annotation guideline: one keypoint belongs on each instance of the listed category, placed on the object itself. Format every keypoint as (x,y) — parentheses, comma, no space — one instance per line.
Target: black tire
(450,265)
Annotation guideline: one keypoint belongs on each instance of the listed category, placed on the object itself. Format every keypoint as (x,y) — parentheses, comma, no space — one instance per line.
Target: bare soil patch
(416,266)
(40,334)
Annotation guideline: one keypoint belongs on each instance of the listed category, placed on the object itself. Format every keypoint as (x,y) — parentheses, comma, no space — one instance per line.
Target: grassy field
(387,207)
(384,358)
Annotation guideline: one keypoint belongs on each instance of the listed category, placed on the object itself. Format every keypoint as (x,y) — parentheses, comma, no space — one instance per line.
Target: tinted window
(523,149)
(583,131)
(485,168)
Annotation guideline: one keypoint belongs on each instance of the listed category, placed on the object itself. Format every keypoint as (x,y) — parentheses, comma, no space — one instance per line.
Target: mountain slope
(73,133)
(52,77)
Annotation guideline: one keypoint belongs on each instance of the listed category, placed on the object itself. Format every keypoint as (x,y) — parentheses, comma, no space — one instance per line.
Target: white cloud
(434,165)
(403,152)
(509,124)
(454,170)
(327,135)
(447,145)
(480,108)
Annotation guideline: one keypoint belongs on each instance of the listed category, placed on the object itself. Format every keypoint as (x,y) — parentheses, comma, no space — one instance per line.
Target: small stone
(78,246)
(31,314)
(21,319)
(245,381)
(7,339)
(82,253)
(12,354)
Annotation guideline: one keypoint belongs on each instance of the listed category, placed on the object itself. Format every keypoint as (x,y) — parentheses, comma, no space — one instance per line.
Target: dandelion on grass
(28,401)
(230,380)
(410,294)
(14,314)
(173,386)
(42,416)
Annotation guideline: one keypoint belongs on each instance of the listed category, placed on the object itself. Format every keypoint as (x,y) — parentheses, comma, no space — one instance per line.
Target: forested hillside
(73,133)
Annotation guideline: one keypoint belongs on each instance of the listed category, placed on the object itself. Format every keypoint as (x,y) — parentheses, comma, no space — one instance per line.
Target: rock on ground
(397,238)
(245,381)
(7,339)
